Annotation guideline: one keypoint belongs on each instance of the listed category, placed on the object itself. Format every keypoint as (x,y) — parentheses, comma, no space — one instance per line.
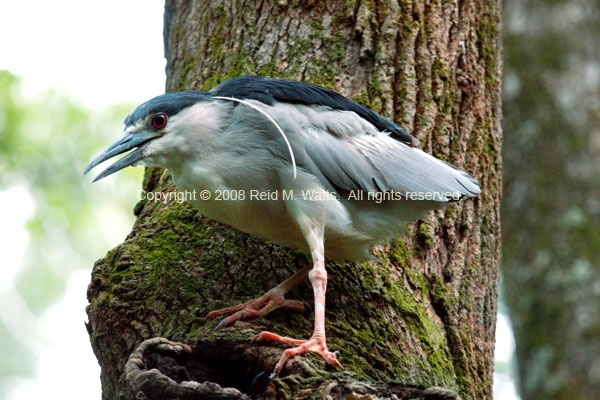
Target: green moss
(450,212)
(268,69)
(189,67)
(440,69)
(400,254)
(367,332)
(439,293)
(362,98)
(426,234)
(487,38)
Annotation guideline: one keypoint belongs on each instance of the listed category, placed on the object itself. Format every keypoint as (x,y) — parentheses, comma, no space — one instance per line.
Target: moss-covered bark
(425,314)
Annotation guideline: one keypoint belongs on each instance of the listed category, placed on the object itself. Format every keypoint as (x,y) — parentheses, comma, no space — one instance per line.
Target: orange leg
(317,343)
(318,279)
(263,305)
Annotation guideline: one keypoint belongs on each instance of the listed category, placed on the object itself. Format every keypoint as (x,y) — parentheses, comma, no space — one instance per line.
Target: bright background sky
(100,53)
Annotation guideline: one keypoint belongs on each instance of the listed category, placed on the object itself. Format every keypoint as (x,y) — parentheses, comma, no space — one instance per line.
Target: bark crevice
(161,369)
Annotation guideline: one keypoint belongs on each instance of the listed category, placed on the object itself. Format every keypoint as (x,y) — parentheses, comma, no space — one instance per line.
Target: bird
(341,177)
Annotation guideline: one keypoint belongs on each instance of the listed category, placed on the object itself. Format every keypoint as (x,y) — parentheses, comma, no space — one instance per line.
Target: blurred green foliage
(45,142)
(551,206)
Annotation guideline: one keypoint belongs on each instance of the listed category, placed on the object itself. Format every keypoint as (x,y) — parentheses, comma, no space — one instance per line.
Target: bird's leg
(318,279)
(264,304)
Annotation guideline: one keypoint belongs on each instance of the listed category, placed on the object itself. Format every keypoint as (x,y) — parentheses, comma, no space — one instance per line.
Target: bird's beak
(127,142)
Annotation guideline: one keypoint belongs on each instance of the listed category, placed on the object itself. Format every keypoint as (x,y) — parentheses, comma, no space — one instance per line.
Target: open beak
(129,141)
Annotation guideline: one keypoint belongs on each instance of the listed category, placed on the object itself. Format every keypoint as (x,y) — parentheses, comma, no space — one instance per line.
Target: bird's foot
(258,307)
(316,344)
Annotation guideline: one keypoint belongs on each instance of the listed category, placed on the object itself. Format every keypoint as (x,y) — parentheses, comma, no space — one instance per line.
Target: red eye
(159,121)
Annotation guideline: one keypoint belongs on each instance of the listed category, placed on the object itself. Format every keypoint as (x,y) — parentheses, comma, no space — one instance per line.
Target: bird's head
(160,130)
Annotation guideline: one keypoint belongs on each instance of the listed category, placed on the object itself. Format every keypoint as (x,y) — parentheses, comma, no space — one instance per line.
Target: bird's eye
(159,121)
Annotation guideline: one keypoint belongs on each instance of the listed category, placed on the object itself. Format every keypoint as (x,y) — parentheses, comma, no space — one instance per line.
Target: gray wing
(348,153)
(270,91)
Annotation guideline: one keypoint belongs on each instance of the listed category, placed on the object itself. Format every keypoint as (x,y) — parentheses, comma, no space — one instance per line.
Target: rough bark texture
(425,315)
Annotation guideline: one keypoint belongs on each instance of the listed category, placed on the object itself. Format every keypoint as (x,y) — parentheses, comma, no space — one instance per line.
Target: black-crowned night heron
(309,168)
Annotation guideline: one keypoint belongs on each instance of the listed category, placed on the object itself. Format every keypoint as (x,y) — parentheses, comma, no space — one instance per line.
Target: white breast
(263,206)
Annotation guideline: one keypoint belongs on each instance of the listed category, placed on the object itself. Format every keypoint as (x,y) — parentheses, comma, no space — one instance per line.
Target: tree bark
(424,316)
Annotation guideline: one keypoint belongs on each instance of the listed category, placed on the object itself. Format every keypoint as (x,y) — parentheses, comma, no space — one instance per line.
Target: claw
(254,308)
(261,381)
(316,344)
(221,324)
(273,299)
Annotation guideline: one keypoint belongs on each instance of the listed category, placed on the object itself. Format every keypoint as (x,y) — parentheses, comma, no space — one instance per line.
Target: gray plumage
(337,176)
(272,91)
(340,148)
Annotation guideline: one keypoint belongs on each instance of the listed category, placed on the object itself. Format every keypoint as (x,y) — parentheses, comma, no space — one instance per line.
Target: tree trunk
(552,208)
(424,315)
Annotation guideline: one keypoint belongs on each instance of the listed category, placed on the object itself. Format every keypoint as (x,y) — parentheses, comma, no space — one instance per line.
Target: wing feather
(271,91)
(348,153)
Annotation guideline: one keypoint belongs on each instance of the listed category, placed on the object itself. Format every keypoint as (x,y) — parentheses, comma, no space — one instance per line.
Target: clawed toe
(316,344)
(254,308)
